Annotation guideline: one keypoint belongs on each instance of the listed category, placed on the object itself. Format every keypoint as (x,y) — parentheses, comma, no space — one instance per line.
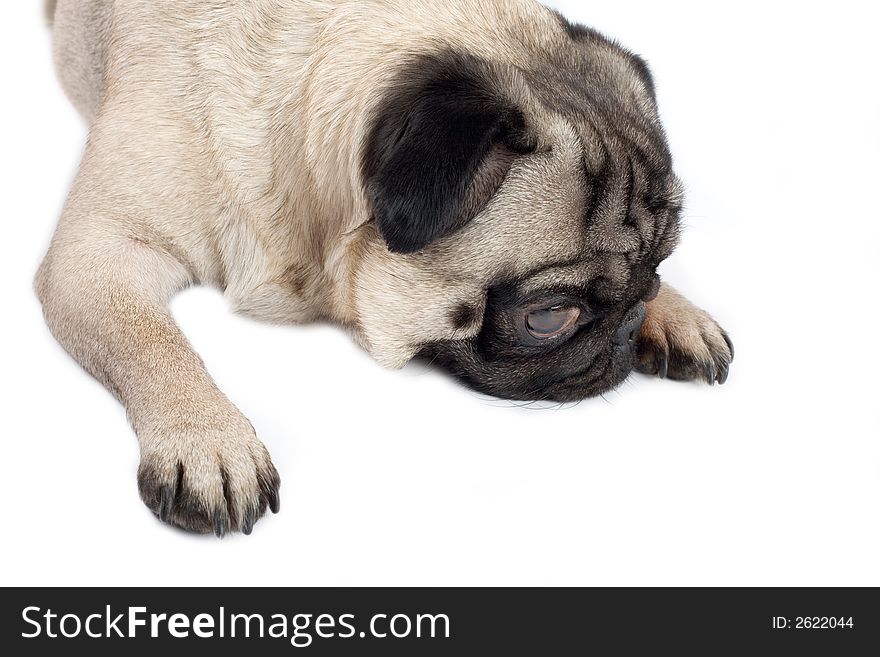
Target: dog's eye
(552,322)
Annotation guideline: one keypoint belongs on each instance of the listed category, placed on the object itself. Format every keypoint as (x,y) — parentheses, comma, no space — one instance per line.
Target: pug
(480,183)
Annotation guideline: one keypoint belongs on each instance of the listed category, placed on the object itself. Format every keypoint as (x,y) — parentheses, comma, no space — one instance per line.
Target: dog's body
(277,149)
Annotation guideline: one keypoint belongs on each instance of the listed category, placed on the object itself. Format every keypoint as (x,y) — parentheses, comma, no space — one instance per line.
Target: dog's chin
(591,383)
(601,376)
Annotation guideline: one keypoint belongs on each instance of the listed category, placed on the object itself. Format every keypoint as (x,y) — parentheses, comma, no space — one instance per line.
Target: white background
(407,478)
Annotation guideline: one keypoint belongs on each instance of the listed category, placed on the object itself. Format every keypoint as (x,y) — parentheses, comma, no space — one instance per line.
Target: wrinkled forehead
(578,208)
(613,270)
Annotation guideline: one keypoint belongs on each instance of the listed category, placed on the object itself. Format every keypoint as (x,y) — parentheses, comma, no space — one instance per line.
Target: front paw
(206,478)
(683,342)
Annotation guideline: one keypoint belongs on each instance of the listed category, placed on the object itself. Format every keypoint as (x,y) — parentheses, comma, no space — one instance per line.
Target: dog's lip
(581,384)
(562,379)
(573,388)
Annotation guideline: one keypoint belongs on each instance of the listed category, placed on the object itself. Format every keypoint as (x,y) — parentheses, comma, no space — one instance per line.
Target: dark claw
(250,518)
(274,499)
(221,523)
(711,374)
(729,346)
(663,365)
(166,499)
(722,376)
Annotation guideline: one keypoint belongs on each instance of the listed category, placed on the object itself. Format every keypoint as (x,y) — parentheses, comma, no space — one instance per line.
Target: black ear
(432,135)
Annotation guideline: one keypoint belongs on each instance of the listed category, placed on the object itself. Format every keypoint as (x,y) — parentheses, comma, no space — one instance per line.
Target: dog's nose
(626,334)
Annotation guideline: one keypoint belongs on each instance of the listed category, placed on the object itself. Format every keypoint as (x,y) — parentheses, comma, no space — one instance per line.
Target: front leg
(105,298)
(682,342)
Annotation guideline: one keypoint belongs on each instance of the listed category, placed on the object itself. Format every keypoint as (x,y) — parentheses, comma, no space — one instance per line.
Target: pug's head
(522,201)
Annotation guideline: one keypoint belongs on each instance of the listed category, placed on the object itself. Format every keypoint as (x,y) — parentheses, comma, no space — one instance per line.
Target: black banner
(441,621)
